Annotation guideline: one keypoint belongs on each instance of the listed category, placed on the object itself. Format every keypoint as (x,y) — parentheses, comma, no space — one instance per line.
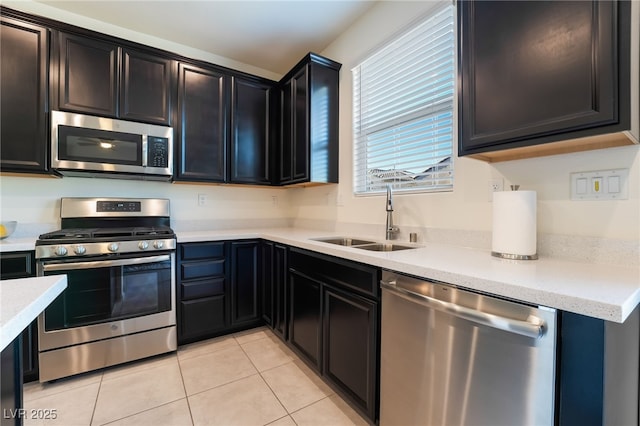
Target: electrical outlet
(274,201)
(202,199)
(495,185)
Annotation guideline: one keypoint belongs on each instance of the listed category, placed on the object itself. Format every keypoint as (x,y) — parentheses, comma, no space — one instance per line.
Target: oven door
(108,298)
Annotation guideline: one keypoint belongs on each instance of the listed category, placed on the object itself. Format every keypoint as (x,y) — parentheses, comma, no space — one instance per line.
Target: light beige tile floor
(248,378)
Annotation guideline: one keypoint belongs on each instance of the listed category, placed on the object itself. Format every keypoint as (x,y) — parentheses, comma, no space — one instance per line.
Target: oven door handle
(48,267)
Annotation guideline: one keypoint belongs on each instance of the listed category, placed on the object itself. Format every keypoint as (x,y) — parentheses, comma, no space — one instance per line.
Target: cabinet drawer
(17,265)
(339,272)
(201,317)
(202,288)
(201,251)
(207,268)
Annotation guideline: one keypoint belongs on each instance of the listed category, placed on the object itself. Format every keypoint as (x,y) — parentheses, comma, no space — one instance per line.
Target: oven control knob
(158,244)
(60,251)
(143,245)
(79,250)
(113,247)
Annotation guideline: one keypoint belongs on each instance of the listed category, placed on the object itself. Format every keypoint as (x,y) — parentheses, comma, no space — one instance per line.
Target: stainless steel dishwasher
(454,357)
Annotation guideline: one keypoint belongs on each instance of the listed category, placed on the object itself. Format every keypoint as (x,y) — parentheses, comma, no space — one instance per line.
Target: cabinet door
(201,145)
(24,59)
(294,151)
(300,119)
(305,321)
(281,295)
(11,384)
(268,284)
(250,132)
(245,283)
(286,133)
(350,346)
(201,317)
(531,72)
(145,92)
(21,265)
(88,75)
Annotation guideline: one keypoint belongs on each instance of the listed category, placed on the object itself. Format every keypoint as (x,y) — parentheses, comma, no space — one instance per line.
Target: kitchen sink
(365,244)
(385,247)
(344,241)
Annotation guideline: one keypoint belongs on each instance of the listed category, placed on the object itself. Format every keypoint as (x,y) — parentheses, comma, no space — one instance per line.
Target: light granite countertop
(22,300)
(600,291)
(597,290)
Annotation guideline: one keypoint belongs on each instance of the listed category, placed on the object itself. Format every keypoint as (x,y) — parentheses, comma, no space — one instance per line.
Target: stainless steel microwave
(84,145)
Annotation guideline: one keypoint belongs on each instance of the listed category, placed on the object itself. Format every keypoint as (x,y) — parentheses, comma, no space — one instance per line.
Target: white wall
(468,206)
(36,199)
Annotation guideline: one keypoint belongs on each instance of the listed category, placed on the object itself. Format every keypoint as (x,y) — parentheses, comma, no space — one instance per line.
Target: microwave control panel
(158,152)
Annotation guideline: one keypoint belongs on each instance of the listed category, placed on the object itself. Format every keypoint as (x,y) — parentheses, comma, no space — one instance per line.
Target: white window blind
(403,110)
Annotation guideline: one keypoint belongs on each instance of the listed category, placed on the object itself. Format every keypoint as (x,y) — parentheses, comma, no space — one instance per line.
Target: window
(403,110)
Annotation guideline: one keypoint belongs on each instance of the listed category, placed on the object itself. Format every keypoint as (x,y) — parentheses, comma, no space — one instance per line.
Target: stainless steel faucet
(391,229)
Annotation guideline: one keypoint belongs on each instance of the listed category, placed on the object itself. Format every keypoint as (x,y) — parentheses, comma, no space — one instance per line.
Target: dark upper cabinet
(147,87)
(88,75)
(24,62)
(102,78)
(533,73)
(202,124)
(251,133)
(309,122)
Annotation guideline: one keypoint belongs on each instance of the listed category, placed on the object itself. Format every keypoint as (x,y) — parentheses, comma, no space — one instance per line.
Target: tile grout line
(184,387)
(95,403)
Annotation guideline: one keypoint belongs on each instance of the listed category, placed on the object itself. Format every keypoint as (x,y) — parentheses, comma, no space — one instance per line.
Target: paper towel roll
(514,225)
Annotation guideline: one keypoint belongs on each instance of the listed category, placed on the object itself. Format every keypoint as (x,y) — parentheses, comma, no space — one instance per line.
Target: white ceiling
(268,34)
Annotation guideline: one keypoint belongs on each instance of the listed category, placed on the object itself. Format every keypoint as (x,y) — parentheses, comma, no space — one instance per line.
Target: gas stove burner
(66,234)
(100,234)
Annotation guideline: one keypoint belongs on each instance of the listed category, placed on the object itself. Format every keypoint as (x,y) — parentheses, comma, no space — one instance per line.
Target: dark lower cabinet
(218,287)
(245,282)
(305,321)
(201,139)
(334,323)
(11,385)
(349,344)
(202,291)
(281,293)
(24,62)
(274,287)
(598,371)
(21,265)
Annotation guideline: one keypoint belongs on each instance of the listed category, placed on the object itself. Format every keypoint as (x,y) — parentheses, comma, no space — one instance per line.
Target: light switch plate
(609,184)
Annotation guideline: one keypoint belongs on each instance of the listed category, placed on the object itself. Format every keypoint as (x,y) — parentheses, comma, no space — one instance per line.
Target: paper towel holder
(515,256)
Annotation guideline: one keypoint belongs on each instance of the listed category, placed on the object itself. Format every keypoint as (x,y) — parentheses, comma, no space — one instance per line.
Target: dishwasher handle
(533,327)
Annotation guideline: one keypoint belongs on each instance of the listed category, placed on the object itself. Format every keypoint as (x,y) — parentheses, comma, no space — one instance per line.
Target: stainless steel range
(119,258)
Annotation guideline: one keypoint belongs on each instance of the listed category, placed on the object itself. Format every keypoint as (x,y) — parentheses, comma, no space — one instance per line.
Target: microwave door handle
(145,150)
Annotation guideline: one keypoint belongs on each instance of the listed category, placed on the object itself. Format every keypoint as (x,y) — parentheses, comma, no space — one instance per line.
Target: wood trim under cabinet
(562,147)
